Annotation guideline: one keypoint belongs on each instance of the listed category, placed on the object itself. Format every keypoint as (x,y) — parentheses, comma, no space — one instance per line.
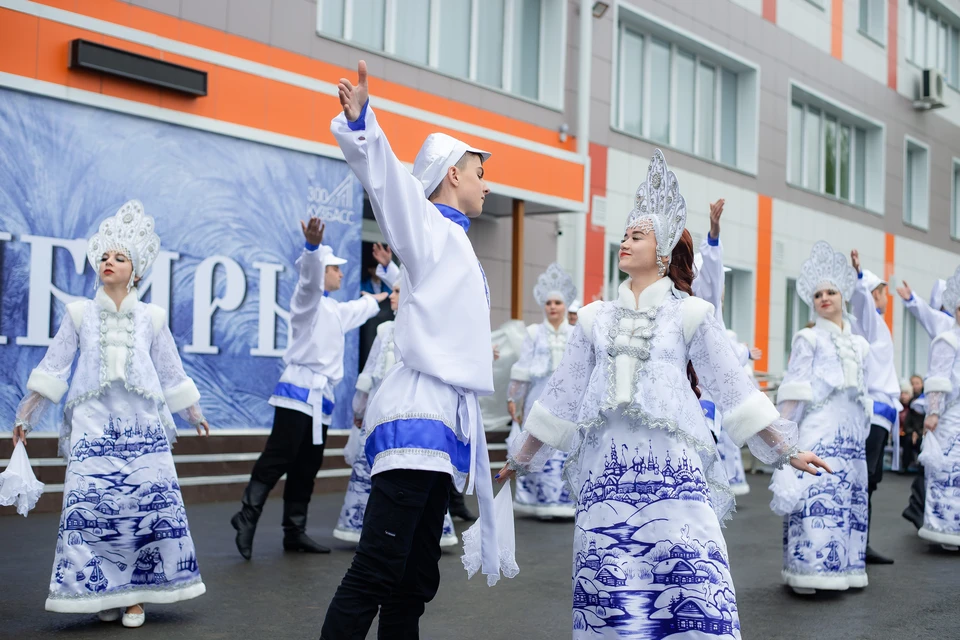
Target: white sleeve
(50,377)
(405,216)
(355,312)
(389,274)
(708,281)
(179,390)
(309,289)
(933,321)
(865,311)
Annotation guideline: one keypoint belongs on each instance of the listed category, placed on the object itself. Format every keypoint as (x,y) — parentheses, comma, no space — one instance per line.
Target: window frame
(792,320)
(874,134)
(945,18)
(551,65)
(649,27)
(909,141)
(872,5)
(954,201)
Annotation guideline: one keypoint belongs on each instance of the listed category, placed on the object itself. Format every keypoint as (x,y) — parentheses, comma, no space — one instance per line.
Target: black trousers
(876,442)
(290,450)
(395,569)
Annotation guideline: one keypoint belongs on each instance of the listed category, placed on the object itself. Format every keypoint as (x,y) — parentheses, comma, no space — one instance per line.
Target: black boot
(458,508)
(295,536)
(245,520)
(875,558)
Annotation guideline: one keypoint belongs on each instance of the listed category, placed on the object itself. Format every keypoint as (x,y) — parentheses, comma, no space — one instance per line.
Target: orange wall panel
(889,253)
(201,105)
(130,90)
(595,251)
(18,43)
(155,22)
(836,29)
(289,110)
(53,56)
(241,98)
(762,306)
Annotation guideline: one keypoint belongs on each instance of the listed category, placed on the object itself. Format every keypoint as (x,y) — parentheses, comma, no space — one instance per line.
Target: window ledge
(439,72)
(838,199)
(914,225)
(668,147)
(818,4)
(880,43)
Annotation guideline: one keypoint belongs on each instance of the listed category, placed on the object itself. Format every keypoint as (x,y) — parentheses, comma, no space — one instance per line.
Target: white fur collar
(559,328)
(652,296)
(128,304)
(831,327)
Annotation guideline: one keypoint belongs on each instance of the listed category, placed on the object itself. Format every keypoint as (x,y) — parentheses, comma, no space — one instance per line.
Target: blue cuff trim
(709,409)
(418,433)
(879,313)
(884,410)
(911,297)
(860,276)
(713,242)
(310,247)
(361,122)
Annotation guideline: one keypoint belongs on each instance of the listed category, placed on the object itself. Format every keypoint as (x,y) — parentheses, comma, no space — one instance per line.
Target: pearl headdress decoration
(554,281)
(131,232)
(658,205)
(825,266)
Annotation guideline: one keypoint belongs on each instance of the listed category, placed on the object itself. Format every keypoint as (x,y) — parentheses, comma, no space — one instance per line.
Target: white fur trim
(949,337)
(545,510)
(586,316)
(48,386)
(692,311)
(549,429)
(795,391)
(93,605)
(520,374)
(937,383)
(364,383)
(384,327)
(158,317)
(740,489)
(75,309)
(824,582)
(939,537)
(532,330)
(809,335)
(749,418)
(182,396)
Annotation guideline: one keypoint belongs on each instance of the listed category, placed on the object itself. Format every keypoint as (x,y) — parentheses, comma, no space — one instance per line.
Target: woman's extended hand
(808,462)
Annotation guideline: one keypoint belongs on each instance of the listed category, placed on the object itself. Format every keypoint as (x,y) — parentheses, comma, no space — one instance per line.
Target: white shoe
(134,620)
(950,547)
(803,591)
(109,615)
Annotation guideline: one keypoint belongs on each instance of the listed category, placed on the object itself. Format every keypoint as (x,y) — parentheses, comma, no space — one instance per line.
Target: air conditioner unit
(931,90)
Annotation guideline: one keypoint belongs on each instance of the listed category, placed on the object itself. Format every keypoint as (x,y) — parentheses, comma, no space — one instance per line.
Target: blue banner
(227,213)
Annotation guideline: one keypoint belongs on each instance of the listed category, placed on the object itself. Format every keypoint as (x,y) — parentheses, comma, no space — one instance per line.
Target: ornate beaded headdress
(825,266)
(951,294)
(659,206)
(554,281)
(129,231)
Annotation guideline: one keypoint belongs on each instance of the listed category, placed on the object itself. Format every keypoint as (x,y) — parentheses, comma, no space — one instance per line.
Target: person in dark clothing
(918,490)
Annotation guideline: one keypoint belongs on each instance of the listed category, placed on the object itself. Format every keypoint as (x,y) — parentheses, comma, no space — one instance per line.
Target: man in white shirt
(304,395)
(424,426)
(868,303)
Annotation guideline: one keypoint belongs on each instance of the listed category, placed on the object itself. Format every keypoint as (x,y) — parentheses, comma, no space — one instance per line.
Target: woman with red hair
(649,556)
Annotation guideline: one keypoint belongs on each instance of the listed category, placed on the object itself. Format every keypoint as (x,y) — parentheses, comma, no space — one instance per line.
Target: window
(498,43)
(833,151)
(872,18)
(614,275)
(681,94)
(916,182)
(916,346)
(737,302)
(933,42)
(955,201)
(798,315)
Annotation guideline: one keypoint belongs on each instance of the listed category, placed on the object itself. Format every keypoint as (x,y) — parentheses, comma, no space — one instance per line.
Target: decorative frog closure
(631,334)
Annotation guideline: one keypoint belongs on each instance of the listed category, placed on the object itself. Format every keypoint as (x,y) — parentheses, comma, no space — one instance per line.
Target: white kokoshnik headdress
(555,282)
(659,206)
(825,267)
(951,293)
(131,232)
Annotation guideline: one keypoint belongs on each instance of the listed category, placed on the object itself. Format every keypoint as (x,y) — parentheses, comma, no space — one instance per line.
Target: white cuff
(48,386)
(519,374)
(364,383)
(749,418)
(937,383)
(795,391)
(181,396)
(549,429)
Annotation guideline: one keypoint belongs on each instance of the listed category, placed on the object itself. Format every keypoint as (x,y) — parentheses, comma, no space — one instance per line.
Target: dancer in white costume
(824,389)
(650,560)
(123,538)
(542,494)
(381,358)
(708,283)
(941,438)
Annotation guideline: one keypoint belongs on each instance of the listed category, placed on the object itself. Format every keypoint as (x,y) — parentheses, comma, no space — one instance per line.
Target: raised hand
(808,462)
(755,353)
(855,259)
(313,230)
(352,98)
(382,254)
(716,210)
(203,428)
(904,290)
